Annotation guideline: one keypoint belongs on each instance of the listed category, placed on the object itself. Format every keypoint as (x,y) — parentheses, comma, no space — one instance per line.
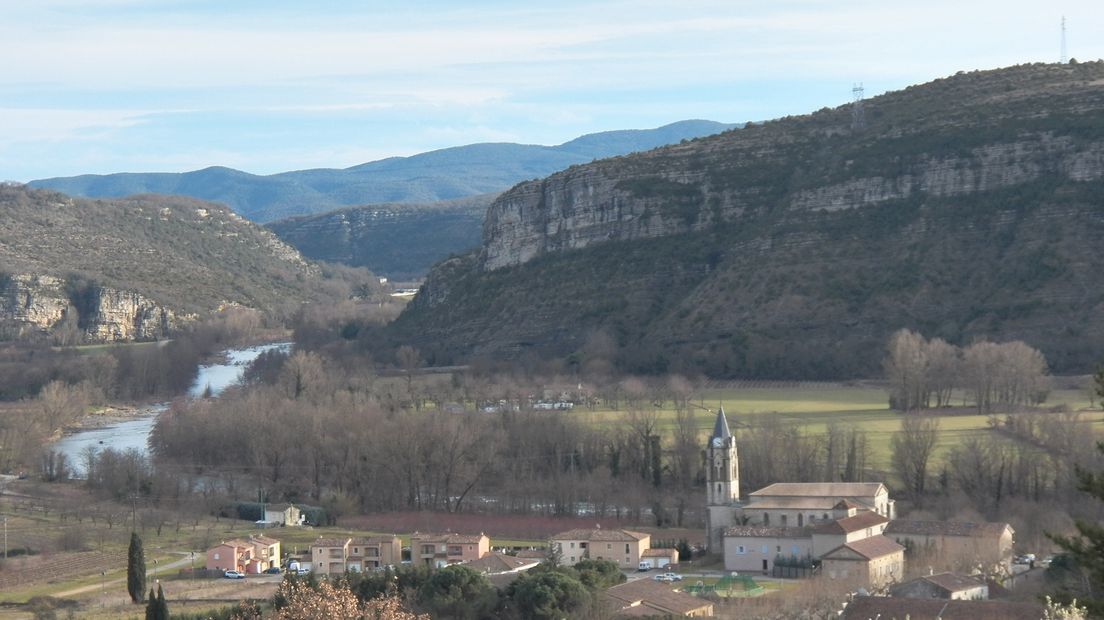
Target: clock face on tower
(718,442)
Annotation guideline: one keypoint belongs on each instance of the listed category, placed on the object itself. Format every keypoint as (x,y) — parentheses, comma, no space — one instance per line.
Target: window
(609,546)
(764,550)
(740,549)
(216,555)
(779,548)
(572,559)
(572,545)
(766,518)
(783,520)
(793,550)
(626,548)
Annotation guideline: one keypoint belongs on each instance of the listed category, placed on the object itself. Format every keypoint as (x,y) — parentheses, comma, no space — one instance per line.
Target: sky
(101,86)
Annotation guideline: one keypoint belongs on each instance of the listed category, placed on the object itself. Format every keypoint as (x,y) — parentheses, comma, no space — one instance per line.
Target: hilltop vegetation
(400,241)
(141,267)
(445,174)
(966,208)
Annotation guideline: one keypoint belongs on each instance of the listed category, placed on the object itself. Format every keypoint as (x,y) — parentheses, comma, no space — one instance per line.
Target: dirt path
(185,561)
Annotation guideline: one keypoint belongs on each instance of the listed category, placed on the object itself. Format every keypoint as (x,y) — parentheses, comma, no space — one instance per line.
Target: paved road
(185,561)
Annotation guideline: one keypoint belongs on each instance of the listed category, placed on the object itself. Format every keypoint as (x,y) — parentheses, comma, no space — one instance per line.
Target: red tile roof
(601,535)
(861,521)
(945,528)
(870,548)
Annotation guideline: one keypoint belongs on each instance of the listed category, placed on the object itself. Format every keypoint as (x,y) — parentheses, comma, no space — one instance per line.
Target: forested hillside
(969,207)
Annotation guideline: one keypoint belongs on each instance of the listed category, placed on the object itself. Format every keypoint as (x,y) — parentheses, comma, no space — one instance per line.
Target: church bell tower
(722,482)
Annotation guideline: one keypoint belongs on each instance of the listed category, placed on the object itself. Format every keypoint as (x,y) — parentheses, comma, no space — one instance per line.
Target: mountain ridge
(442,174)
(965,208)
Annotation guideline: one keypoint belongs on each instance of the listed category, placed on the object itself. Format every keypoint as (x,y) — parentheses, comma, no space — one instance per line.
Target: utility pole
(1064,58)
(858,118)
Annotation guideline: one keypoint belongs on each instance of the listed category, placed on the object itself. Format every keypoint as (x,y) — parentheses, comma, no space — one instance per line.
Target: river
(134,432)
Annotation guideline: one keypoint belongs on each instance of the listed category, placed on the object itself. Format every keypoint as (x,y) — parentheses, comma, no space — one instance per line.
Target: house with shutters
(440,550)
(623,547)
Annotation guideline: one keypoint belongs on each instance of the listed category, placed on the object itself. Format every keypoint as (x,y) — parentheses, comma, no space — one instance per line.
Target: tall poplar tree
(136,569)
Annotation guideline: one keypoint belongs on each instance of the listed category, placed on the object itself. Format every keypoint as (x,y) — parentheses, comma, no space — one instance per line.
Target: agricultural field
(812,406)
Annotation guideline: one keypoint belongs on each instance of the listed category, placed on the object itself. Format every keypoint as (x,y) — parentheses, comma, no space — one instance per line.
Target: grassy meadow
(813,406)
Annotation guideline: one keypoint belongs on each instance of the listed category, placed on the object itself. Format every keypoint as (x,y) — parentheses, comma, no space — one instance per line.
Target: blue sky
(98,86)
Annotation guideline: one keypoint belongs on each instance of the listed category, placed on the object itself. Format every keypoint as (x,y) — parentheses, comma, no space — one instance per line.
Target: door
(764,566)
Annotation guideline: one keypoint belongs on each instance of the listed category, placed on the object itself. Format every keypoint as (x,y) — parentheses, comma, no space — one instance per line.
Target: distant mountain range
(970,207)
(435,176)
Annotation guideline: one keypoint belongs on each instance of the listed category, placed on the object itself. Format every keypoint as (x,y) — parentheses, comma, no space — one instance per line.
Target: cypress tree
(162,605)
(151,607)
(136,569)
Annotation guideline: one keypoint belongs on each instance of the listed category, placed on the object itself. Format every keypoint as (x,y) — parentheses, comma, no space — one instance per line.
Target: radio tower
(1065,57)
(858,120)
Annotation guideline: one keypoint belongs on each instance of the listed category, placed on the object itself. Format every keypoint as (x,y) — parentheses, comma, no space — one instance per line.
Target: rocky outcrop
(787,168)
(31,303)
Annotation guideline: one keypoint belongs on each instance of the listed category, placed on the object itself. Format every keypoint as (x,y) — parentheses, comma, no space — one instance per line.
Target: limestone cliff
(136,268)
(969,207)
(42,303)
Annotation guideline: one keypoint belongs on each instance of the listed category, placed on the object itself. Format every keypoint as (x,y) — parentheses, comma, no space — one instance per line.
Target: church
(839,523)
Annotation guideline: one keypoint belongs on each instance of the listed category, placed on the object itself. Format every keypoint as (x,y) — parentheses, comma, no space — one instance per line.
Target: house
(946,586)
(754,548)
(869,563)
(284,514)
(658,558)
(955,545)
(248,556)
(499,563)
(622,547)
(373,552)
(230,555)
(645,598)
(266,552)
(328,555)
(334,556)
(444,549)
(832,534)
(892,608)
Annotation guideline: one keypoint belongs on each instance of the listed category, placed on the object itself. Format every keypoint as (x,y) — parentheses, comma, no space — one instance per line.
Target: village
(847,537)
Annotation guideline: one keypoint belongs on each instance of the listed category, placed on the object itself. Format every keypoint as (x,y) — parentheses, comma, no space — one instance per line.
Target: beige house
(659,558)
(328,555)
(334,556)
(952,545)
(869,563)
(623,547)
(944,586)
(266,551)
(441,550)
(284,514)
(797,504)
(374,552)
(647,598)
(753,548)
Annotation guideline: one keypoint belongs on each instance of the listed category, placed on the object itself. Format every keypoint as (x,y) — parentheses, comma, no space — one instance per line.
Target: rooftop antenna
(1065,57)
(858,119)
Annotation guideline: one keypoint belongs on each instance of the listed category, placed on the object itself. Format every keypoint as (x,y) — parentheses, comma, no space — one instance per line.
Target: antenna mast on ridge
(1064,57)
(858,120)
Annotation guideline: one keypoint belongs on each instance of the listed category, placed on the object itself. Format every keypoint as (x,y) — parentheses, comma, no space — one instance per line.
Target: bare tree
(906,368)
(911,452)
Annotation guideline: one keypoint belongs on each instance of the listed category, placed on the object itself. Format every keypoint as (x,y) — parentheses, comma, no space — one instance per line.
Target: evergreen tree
(151,607)
(1085,552)
(162,605)
(136,569)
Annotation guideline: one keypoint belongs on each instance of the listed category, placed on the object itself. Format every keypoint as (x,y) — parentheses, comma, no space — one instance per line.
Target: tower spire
(720,426)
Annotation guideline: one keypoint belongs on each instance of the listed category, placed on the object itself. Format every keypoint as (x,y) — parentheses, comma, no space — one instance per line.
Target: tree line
(995,376)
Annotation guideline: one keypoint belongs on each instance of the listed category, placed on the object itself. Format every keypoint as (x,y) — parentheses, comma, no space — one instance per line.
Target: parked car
(663,577)
(672,577)
(233,574)
(644,567)
(275,570)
